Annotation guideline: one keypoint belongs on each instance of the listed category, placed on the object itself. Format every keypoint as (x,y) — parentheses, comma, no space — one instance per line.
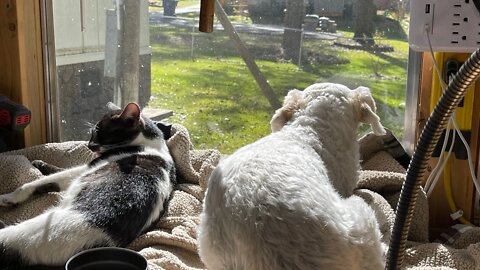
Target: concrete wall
(84,92)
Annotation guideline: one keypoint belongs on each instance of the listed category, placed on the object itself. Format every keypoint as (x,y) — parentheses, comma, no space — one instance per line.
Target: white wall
(73,45)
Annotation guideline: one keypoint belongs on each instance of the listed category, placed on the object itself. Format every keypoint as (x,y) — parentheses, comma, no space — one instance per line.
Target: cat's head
(119,128)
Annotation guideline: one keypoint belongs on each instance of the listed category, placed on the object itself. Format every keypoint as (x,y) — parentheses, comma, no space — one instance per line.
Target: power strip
(454,25)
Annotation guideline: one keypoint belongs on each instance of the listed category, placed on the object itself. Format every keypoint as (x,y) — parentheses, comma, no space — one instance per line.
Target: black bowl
(107,258)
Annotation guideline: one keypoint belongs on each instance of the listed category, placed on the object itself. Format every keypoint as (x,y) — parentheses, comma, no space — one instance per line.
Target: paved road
(157,18)
(189,9)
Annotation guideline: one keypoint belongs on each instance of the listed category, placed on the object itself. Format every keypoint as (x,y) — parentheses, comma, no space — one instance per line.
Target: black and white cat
(108,202)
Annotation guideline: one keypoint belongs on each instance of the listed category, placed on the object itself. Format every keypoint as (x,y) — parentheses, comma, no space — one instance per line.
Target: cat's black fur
(108,202)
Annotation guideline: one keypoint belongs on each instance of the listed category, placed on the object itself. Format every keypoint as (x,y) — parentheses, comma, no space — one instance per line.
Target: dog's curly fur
(284,202)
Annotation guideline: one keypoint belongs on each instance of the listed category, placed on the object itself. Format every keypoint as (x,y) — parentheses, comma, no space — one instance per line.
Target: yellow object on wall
(463,117)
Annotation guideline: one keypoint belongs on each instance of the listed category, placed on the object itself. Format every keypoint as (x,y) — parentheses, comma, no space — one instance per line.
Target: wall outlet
(453,25)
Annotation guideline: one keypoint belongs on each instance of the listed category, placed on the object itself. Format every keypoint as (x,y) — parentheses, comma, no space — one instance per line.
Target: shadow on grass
(390,28)
(186,45)
(218,98)
(386,27)
(392,60)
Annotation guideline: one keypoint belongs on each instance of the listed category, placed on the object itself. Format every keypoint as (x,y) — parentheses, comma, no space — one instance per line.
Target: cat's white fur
(284,202)
(60,232)
(55,230)
(64,178)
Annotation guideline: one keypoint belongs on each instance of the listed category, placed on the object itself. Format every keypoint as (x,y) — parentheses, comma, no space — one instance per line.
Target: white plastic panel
(454,25)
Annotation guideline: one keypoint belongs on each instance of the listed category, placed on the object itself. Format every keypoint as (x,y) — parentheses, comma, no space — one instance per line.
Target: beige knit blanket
(171,244)
(380,183)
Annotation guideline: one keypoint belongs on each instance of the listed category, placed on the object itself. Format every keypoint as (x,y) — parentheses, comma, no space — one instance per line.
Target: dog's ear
(292,102)
(366,110)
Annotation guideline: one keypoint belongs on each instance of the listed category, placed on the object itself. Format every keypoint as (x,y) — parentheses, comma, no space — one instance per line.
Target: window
(95,44)
(203,77)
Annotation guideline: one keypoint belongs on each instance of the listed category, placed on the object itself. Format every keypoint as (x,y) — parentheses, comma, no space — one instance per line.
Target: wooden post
(247,57)
(292,35)
(129,53)
(21,64)
(207,9)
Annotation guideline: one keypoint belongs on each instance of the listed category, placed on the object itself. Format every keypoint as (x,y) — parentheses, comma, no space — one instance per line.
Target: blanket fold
(382,177)
(172,244)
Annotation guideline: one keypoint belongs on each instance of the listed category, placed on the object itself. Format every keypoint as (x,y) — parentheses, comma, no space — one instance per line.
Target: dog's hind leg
(365,235)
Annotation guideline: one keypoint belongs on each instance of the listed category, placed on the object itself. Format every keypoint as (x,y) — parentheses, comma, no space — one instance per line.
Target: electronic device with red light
(13,116)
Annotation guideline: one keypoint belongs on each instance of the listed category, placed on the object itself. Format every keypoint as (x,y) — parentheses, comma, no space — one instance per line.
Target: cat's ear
(366,110)
(131,110)
(112,107)
(292,102)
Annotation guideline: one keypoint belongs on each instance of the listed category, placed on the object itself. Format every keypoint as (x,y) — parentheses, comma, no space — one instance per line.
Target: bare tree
(292,35)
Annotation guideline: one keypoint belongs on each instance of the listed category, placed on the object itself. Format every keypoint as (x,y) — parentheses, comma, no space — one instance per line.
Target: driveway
(157,18)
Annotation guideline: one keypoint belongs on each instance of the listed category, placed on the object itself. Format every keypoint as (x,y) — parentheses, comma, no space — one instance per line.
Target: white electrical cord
(430,184)
(469,157)
(442,161)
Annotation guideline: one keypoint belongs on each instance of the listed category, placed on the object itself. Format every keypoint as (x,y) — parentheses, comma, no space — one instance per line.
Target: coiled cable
(465,77)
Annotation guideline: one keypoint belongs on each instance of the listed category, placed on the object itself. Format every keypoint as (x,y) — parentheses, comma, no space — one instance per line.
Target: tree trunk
(292,35)
(364,26)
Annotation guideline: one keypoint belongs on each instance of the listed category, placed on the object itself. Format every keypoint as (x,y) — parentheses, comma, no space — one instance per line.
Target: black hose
(465,77)
(477,4)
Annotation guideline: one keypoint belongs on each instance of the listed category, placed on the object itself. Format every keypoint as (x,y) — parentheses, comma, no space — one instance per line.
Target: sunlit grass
(217,101)
(213,94)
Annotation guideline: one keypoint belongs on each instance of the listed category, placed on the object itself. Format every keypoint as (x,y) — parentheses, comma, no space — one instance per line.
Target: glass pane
(206,82)
(203,77)
(95,43)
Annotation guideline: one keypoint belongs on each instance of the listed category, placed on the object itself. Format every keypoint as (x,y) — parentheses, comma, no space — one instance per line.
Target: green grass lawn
(212,93)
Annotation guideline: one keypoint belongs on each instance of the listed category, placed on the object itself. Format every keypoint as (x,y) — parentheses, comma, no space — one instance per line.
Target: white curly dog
(284,202)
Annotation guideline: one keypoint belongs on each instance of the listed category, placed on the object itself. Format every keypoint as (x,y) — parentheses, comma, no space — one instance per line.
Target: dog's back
(268,213)
(274,204)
